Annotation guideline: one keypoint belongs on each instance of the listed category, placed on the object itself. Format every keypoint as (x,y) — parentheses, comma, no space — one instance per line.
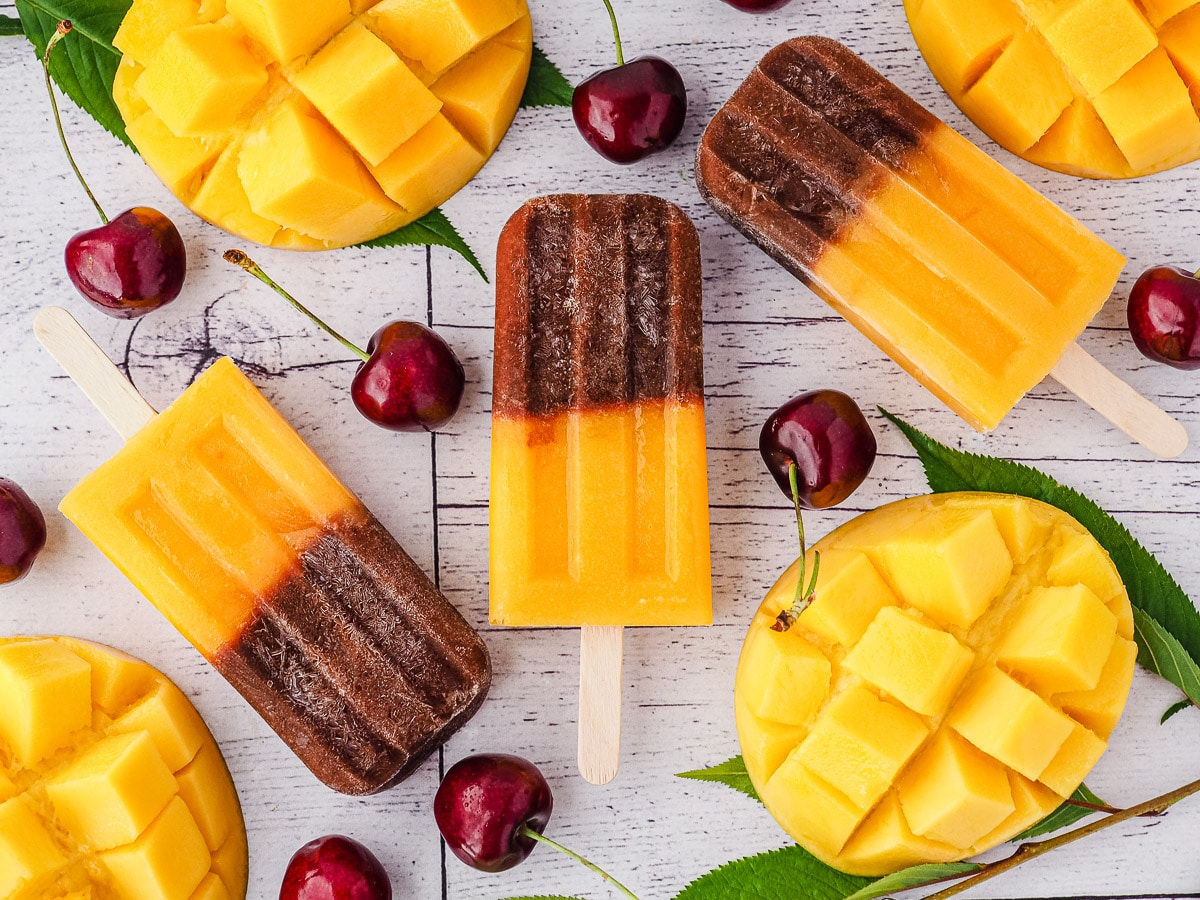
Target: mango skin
(1009,717)
(132,800)
(1095,88)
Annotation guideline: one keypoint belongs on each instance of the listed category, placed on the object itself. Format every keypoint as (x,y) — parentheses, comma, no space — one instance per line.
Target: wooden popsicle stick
(1153,428)
(92,370)
(601,654)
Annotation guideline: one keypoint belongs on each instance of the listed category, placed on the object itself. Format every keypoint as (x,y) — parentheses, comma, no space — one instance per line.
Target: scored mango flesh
(111,786)
(959,672)
(313,124)
(1098,88)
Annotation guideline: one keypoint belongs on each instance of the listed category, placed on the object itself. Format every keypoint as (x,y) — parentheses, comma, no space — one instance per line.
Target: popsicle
(599,491)
(964,275)
(241,536)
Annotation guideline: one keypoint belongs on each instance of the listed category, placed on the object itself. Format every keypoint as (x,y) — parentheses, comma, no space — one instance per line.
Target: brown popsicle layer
(237,532)
(963,274)
(599,503)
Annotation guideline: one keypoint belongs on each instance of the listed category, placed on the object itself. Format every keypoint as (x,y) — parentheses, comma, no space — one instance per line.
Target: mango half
(111,787)
(1098,88)
(960,671)
(313,124)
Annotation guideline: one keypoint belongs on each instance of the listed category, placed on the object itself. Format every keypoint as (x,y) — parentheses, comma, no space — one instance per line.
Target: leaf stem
(616,33)
(242,261)
(542,839)
(64,28)
(1026,852)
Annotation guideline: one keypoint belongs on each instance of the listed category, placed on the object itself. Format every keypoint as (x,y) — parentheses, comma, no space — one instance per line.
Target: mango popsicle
(237,532)
(964,275)
(599,492)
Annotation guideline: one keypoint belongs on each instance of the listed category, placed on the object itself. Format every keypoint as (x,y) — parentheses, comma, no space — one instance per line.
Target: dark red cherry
(1164,316)
(22,532)
(631,111)
(412,380)
(485,803)
(334,868)
(131,266)
(758,6)
(826,435)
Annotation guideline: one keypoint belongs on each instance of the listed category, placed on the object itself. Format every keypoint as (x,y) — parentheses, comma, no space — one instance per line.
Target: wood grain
(766,338)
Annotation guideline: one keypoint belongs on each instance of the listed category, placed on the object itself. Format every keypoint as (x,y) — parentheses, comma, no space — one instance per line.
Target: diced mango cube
(1074,760)
(920,666)
(885,841)
(955,794)
(767,745)
(481,94)
(298,172)
(177,161)
(1122,610)
(45,697)
(29,858)
(438,33)
(418,173)
(1082,138)
(518,35)
(1010,722)
(1033,803)
(1099,709)
(112,791)
(129,102)
(211,888)
(1159,11)
(850,594)
(949,566)
(172,722)
(809,806)
(1100,40)
(367,93)
(1181,39)
(1151,133)
(201,80)
(117,680)
(1080,560)
(222,199)
(291,28)
(231,864)
(961,41)
(206,788)
(860,743)
(167,862)
(1058,639)
(1020,524)
(1021,94)
(786,678)
(148,23)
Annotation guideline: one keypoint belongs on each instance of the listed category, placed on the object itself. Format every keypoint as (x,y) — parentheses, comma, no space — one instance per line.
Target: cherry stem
(242,261)
(804,593)
(64,28)
(542,839)
(616,33)
(1026,852)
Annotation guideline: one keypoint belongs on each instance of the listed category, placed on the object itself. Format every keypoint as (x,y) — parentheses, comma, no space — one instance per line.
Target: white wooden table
(766,339)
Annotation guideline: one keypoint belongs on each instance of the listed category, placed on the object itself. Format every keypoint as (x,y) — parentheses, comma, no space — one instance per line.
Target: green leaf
(85,63)
(731,773)
(435,229)
(1175,708)
(786,874)
(1153,592)
(1066,815)
(10,26)
(1165,655)
(915,876)
(546,85)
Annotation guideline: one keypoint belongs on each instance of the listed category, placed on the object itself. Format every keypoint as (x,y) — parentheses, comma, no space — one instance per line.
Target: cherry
(824,434)
(22,532)
(334,868)
(633,110)
(819,448)
(758,6)
(486,806)
(1164,316)
(409,380)
(130,265)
